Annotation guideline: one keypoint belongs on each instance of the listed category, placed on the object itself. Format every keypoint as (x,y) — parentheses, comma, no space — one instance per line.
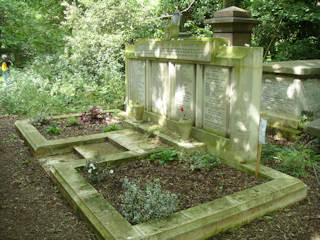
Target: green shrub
(165,156)
(142,204)
(53,130)
(112,127)
(203,161)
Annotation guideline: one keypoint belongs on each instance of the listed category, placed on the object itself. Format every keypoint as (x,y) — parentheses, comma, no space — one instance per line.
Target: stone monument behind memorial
(218,87)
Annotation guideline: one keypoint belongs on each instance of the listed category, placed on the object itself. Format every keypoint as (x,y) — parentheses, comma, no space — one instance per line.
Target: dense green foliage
(289,29)
(73,51)
(294,160)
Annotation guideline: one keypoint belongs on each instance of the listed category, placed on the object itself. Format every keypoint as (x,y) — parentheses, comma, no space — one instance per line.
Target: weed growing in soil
(112,127)
(291,160)
(140,204)
(202,161)
(72,122)
(41,119)
(305,118)
(165,156)
(94,171)
(53,130)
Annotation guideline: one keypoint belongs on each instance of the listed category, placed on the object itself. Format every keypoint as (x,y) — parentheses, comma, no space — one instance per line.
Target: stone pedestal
(233,23)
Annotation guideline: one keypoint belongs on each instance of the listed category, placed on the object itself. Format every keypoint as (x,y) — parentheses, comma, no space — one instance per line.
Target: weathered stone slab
(216,100)
(160,87)
(184,50)
(104,148)
(137,80)
(132,140)
(184,91)
(301,67)
(281,95)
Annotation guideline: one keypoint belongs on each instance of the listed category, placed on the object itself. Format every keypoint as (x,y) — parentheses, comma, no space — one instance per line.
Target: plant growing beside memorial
(94,172)
(112,127)
(73,122)
(53,130)
(203,161)
(41,119)
(292,160)
(165,156)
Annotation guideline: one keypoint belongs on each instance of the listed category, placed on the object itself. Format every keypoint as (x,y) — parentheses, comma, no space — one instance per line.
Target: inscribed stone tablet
(138,77)
(184,92)
(216,101)
(184,50)
(160,89)
(280,96)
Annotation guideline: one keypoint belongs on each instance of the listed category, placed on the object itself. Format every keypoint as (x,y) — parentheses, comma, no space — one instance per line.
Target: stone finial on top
(233,23)
(232,12)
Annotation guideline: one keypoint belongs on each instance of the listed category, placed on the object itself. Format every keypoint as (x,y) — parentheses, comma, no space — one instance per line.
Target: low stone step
(104,148)
(133,140)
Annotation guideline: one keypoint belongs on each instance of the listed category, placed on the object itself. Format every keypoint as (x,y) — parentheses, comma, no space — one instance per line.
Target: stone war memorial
(192,94)
(219,88)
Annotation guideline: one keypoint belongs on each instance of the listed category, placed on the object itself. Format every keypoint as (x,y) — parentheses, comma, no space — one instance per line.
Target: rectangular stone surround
(199,222)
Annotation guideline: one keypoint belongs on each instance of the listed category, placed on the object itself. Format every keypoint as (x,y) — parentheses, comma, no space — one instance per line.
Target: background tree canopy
(72,51)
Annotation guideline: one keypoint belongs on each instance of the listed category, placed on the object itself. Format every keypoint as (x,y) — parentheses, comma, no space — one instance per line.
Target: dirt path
(30,205)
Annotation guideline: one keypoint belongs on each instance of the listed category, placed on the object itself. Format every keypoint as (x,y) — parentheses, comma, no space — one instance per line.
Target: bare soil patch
(31,207)
(85,127)
(192,187)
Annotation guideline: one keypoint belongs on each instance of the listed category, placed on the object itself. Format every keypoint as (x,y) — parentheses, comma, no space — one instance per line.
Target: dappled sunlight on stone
(242,127)
(254,113)
(294,89)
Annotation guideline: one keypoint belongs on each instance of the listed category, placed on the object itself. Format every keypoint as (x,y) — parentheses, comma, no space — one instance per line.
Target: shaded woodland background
(69,55)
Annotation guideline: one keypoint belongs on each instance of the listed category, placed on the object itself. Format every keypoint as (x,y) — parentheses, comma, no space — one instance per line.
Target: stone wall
(218,86)
(288,88)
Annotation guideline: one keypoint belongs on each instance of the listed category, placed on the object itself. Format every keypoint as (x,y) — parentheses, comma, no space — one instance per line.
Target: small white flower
(90,170)
(92,166)
(111,171)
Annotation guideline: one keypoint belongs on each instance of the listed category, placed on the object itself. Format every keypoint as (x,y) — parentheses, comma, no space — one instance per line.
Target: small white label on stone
(262,131)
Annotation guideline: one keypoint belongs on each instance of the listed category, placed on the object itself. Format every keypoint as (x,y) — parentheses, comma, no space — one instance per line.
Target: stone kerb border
(40,146)
(199,222)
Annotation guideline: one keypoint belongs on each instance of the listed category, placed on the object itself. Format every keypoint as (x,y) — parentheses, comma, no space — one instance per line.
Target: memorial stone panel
(216,100)
(185,91)
(160,89)
(279,96)
(138,78)
(187,50)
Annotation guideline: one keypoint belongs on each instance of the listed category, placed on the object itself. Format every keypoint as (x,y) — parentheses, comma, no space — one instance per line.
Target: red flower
(181,109)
